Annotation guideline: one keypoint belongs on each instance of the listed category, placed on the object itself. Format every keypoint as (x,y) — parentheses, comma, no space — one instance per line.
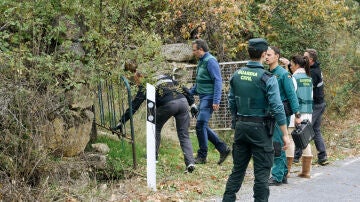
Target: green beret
(258,44)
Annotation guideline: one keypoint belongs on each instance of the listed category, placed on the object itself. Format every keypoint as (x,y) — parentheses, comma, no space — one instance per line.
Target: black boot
(273,182)
(224,155)
(199,160)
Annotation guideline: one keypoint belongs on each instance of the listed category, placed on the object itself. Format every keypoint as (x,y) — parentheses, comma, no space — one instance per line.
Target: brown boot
(306,165)
(289,163)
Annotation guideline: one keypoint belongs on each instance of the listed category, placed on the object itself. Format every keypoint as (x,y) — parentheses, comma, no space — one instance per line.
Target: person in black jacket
(318,107)
(171,101)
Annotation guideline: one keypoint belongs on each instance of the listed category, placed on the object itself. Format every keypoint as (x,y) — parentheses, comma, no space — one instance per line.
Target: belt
(255,119)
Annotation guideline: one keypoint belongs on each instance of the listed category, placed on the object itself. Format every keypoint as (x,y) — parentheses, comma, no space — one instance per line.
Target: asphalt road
(338,181)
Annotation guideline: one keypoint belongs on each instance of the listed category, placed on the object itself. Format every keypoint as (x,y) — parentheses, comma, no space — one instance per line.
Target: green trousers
(250,140)
(279,168)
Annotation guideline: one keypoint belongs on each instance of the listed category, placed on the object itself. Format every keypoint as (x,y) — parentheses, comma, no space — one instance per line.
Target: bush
(22,157)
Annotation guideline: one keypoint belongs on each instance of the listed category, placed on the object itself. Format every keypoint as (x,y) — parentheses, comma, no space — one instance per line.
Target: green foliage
(119,159)
(41,30)
(226,25)
(341,99)
(297,25)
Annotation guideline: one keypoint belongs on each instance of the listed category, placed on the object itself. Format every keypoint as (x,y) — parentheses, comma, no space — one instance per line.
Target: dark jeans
(318,110)
(204,133)
(180,110)
(250,140)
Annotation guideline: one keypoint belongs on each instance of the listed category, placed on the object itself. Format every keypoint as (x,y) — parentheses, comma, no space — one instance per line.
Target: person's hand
(119,127)
(284,61)
(216,107)
(285,136)
(286,141)
(194,111)
(297,121)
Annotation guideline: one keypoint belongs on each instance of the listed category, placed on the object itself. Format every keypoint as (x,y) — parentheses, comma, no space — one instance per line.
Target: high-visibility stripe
(320,84)
(163,81)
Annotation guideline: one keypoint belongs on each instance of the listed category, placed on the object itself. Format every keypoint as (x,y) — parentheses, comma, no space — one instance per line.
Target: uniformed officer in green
(254,94)
(288,96)
(304,90)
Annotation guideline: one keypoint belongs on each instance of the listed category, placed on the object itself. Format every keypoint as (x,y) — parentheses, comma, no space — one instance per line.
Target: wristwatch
(298,115)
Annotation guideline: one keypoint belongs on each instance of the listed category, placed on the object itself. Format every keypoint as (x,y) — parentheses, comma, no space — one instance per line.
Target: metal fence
(221,119)
(114,97)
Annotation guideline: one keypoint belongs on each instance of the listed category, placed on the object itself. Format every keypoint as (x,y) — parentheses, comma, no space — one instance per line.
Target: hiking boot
(199,160)
(190,168)
(273,182)
(323,162)
(306,167)
(224,155)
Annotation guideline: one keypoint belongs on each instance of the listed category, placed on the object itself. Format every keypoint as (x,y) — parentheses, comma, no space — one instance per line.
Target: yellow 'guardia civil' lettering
(247,73)
(305,80)
(246,78)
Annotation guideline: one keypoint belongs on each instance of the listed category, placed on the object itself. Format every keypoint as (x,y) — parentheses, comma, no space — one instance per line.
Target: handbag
(303,134)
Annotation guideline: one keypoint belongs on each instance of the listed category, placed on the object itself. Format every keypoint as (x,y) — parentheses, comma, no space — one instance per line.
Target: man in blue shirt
(208,86)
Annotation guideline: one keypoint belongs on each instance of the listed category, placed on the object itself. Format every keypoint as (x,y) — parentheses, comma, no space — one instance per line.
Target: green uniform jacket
(255,92)
(304,92)
(286,87)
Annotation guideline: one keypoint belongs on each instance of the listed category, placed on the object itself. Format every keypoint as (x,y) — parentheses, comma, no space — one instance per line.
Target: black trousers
(250,140)
(179,109)
(318,111)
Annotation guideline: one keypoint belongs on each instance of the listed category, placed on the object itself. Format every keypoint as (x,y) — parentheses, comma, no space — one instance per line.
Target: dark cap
(258,44)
